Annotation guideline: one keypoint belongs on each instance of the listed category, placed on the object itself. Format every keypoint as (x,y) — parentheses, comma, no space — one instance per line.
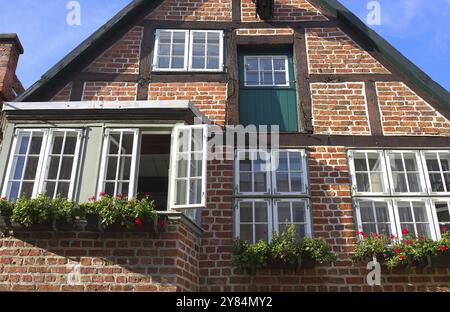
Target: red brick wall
(109,91)
(331,51)
(209,97)
(403,112)
(332,219)
(193,10)
(284,10)
(125,261)
(339,108)
(122,57)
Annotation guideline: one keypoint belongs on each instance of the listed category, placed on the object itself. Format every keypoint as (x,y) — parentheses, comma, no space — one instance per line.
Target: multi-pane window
(438,165)
(62,159)
(415,182)
(292,211)
(253,219)
(289,172)
(118,168)
(442,208)
(405,171)
(414,216)
(276,184)
(43,161)
(266,71)
(171,50)
(194,50)
(207,50)
(374,216)
(189,161)
(369,171)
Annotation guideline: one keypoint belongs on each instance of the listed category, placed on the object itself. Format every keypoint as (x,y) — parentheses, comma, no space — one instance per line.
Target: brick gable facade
(341,110)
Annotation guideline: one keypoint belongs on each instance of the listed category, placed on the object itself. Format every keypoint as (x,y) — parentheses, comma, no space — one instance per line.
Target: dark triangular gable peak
(64,71)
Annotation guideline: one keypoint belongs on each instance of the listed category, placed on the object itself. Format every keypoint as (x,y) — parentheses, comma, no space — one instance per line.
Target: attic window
(264,8)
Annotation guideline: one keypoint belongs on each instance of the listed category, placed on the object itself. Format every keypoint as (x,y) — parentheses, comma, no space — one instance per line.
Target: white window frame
(392,217)
(353,173)
(191,49)
(259,71)
(308,220)
(156,50)
(428,209)
(173,172)
(419,167)
(304,172)
(238,171)
(269,217)
(426,171)
(76,157)
(133,169)
(434,212)
(12,154)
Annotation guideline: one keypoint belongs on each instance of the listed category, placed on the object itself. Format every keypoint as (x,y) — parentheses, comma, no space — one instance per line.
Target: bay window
(271,193)
(400,190)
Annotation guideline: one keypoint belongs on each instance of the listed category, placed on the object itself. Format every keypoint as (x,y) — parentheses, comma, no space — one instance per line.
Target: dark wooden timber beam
(154,77)
(90,76)
(302,81)
(76,94)
(145,63)
(236,10)
(373,109)
(238,24)
(188,77)
(233,79)
(265,40)
(353,77)
(369,141)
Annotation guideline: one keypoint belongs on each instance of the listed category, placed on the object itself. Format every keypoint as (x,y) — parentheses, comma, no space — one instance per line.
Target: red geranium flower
(362,234)
(443,248)
(120,196)
(401,258)
(408,242)
(397,250)
(102,194)
(138,222)
(405,231)
(392,236)
(422,238)
(162,223)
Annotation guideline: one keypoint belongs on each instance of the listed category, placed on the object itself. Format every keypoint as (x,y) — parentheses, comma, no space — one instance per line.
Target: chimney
(10,50)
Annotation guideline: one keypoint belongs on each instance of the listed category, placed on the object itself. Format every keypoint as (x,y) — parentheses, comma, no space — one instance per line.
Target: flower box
(441,261)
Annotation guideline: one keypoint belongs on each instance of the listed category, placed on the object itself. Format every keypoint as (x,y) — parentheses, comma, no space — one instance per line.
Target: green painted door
(267,94)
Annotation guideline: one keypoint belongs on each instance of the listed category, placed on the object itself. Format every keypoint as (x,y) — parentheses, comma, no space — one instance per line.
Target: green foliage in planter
(369,247)
(284,249)
(120,210)
(407,251)
(6,208)
(250,257)
(318,249)
(42,209)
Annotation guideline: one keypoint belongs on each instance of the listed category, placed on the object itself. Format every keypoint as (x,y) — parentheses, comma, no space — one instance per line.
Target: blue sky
(418,28)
